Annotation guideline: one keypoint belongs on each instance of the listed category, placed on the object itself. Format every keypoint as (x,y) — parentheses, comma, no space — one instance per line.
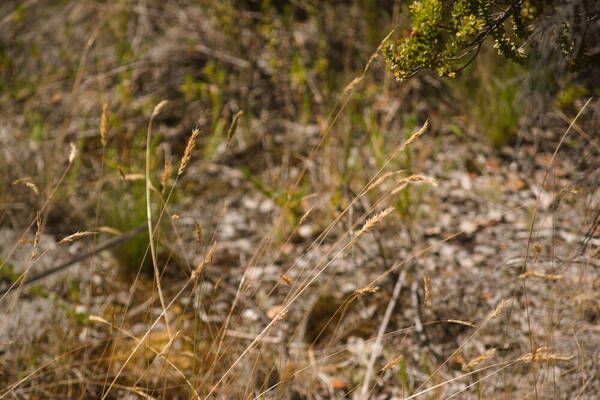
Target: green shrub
(447,36)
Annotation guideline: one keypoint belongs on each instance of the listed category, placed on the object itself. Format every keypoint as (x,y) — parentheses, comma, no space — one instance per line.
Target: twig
(384,323)
(104,246)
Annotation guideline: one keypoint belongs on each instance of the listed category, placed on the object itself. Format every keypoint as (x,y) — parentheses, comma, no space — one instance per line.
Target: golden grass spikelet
(373,222)
(207,260)
(403,182)
(499,308)
(393,363)
(427,290)
(479,359)
(38,233)
(536,274)
(27,181)
(158,108)
(419,178)
(234,125)
(417,134)
(543,355)
(349,87)
(76,236)
(287,280)
(164,177)
(412,138)
(198,232)
(72,152)
(367,289)
(306,214)
(211,253)
(187,154)
(104,125)
(32,186)
(21,180)
(197,271)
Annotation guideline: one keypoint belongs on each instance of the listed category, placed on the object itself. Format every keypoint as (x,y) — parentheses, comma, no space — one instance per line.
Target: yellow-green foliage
(446,36)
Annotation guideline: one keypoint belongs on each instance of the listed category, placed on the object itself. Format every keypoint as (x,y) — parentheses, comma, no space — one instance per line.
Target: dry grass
(317,245)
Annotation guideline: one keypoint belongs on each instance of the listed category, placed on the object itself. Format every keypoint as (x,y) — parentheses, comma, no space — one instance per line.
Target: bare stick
(104,246)
(155,112)
(380,333)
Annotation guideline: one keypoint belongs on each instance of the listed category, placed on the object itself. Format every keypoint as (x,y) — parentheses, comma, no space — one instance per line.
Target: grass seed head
(72,152)
(104,125)
(373,222)
(76,236)
(198,232)
(393,363)
(479,359)
(426,289)
(187,154)
(164,177)
(158,108)
(367,289)
(543,355)
(234,124)
(413,138)
(499,309)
